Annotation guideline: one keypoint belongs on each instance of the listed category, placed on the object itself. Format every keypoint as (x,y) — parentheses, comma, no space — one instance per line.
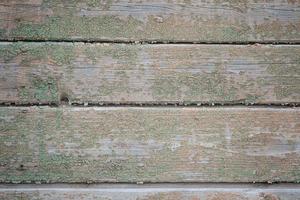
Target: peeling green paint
(78,73)
(89,145)
(66,27)
(211,86)
(288,85)
(41,90)
(97,20)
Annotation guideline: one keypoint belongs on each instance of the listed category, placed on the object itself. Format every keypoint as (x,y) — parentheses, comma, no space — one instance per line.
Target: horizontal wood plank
(132,144)
(150,192)
(118,73)
(156,20)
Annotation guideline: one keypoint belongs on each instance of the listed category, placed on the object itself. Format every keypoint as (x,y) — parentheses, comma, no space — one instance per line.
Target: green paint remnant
(166,88)
(105,5)
(288,68)
(98,19)
(128,52)
(285,74)
(213,86)
(38,83)
(45,90)
(56,27)
(232,33)
(285,91)
(238,5)
(62,54)
(251,98)
(24,93)
(2,33)
(40,90)
(59,114)
(9,52)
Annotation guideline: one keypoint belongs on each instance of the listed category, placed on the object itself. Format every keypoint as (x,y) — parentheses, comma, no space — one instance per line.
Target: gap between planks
(150,186)
(154,105)
(154,42)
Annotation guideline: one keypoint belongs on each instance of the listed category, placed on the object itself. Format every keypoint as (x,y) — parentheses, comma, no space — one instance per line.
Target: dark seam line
(157,185)
(95,41)
(149,183)
(155,104)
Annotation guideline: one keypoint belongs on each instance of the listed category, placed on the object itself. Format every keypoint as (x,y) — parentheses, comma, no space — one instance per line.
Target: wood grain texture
(149,192)
(156,20)
(118,73)
(132,144)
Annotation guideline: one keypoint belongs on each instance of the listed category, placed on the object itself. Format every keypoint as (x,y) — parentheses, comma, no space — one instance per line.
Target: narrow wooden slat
(131,144)
(162,192)
(118,73)
(157,20)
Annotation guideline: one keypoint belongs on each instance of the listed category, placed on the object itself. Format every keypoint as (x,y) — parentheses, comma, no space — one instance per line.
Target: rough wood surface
(157,20)
(118,73)
(131,144)
(150,192)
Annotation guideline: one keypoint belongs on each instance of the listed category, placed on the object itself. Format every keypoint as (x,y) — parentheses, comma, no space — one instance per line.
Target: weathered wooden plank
(118,73)
(132,144)
(156,20)
(150,192)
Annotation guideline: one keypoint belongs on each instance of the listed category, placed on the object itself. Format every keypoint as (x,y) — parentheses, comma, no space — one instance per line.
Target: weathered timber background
(118,73)
(156,20)
(114,72)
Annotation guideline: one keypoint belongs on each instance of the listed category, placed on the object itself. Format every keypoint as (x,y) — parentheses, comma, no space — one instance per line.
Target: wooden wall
(162,99)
